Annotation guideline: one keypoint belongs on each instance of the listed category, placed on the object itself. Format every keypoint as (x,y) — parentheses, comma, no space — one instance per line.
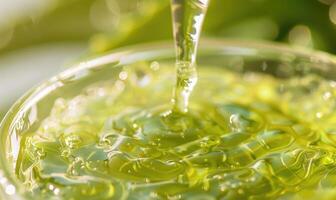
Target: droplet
(51,187)
(123,75)
(119,85)
(155,65)
(240,191)
(333,84)
(56,191)
(326,95)
(10,189)
(319,115)
(300,35)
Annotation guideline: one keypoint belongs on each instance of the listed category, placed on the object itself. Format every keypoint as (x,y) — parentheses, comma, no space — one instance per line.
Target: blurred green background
(38,38)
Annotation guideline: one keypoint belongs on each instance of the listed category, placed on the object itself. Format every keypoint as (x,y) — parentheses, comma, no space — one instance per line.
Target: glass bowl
(280,61)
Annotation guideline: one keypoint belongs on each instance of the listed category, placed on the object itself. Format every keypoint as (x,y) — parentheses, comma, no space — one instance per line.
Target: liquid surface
(245,136)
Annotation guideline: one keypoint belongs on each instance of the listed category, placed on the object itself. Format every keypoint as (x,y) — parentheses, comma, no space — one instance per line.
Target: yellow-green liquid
(241,135)
(245,136)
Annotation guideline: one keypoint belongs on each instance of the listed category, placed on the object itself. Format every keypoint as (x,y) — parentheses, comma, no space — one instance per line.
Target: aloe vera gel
(245,136)
(243,123)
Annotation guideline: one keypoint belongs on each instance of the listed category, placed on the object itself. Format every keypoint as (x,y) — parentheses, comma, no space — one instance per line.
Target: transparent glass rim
(131,54)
